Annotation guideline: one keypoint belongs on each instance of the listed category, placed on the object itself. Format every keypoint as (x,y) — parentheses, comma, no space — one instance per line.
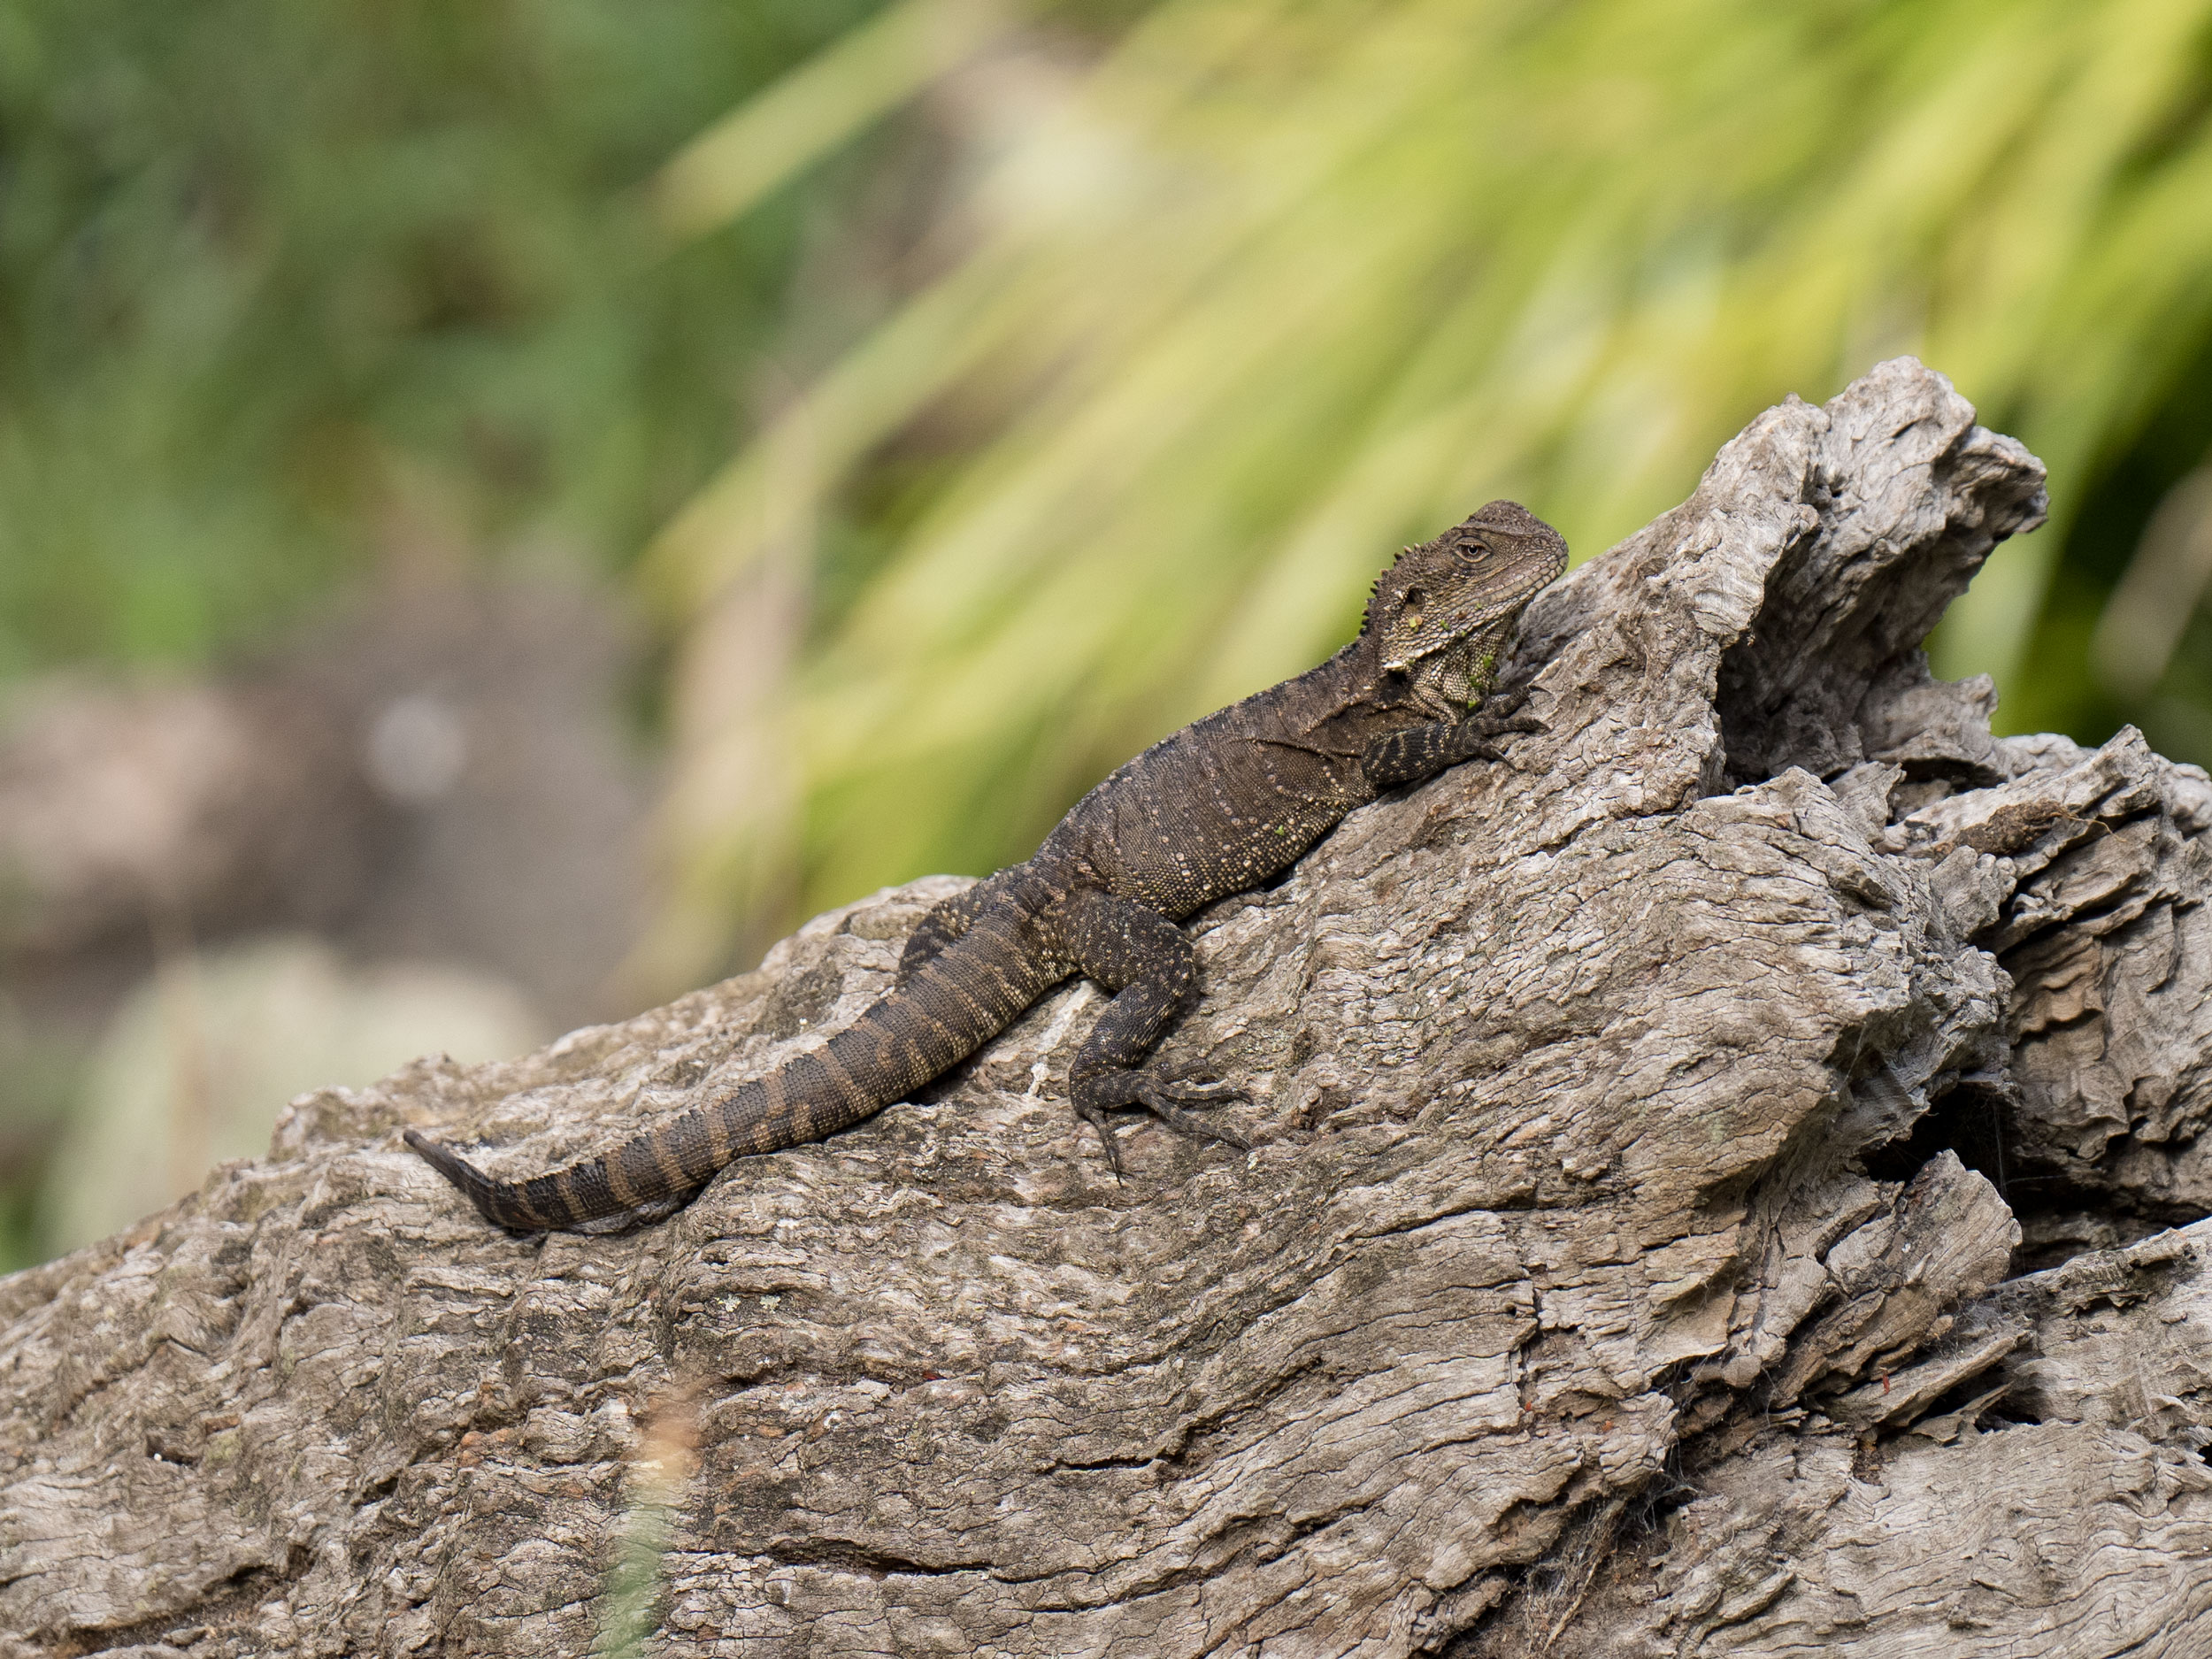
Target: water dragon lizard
(1218,808)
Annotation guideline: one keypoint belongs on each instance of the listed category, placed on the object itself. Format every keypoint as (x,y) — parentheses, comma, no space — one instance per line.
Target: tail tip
(494,1200)
(440,1157)
(449,1163)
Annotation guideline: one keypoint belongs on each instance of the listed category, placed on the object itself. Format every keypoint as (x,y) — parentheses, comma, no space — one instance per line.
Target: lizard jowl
(1216,809)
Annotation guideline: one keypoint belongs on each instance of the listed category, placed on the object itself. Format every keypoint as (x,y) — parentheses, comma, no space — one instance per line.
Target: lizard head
(1441,615)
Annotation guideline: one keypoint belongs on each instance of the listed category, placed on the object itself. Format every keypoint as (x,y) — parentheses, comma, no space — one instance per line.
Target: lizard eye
(1473,553)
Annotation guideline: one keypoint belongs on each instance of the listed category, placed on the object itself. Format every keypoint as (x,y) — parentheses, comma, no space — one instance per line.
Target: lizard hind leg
(1149,963)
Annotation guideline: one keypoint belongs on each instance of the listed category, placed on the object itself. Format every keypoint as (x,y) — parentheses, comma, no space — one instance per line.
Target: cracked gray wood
(1628,1265)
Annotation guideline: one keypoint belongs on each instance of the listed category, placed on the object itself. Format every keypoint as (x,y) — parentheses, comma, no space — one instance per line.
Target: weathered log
(1628,1263)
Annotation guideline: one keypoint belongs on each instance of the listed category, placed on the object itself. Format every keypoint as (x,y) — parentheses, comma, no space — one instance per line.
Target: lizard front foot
(1506,711)
(1498,724)
(1168,1099)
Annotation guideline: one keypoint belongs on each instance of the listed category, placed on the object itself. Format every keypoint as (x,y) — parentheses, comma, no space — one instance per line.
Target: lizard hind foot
(1171,1102)
(1170,1099)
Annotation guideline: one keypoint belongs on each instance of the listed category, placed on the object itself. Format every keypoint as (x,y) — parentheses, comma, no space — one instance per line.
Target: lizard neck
(1438,688)
(1342,706)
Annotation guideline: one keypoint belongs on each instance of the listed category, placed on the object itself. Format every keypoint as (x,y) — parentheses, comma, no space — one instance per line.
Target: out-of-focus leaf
(760,144)
(2164,585)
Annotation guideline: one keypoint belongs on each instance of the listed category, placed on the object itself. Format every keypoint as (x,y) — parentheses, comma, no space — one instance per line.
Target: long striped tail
(954,1005)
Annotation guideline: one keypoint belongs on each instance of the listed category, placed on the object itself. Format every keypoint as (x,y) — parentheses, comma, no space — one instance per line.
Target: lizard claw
(1508,711)
(1490,726)
(1196,1128)
(1186,1092)
(1170,1103)
(1096,1116)
(1508,720)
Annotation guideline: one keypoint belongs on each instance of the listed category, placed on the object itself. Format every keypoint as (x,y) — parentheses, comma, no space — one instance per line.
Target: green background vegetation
(1253,292)
(275,273)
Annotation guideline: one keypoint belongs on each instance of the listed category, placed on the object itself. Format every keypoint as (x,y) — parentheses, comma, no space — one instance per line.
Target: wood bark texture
(1716,1193)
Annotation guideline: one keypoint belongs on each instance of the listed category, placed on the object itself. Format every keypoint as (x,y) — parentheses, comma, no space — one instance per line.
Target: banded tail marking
(956,1004)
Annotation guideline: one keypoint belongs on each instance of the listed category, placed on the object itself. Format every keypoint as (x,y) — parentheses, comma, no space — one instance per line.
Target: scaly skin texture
(1218,808)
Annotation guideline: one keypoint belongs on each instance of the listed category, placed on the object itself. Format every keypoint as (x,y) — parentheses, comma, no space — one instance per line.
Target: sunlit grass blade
(873,70)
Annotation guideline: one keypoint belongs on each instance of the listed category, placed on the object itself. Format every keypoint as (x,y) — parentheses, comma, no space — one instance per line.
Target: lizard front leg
(1425,750)
(1148,962)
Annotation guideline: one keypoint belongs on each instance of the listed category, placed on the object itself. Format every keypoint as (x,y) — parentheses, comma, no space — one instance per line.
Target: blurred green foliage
(295,291)
(1272,286)
(280,279)
(1202,307)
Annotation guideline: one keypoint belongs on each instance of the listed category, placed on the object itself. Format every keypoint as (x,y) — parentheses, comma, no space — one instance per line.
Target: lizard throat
(1457,678)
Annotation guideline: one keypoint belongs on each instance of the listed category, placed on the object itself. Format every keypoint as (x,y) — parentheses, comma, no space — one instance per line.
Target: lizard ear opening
(1412,609)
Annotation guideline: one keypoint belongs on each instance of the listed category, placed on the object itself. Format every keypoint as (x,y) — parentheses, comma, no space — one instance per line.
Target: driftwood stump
(1716,1194)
